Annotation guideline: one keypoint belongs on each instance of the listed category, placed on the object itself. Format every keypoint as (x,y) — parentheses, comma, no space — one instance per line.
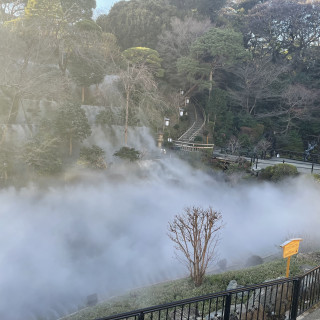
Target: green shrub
(316,176)
(105,117)
(126,153)
(292,142)
(92,157)
(278,172)
(198,139)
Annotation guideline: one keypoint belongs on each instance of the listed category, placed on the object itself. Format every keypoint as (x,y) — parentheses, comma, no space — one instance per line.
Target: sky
(103,6)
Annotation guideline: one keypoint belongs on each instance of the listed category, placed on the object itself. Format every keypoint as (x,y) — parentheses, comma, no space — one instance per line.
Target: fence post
(312,168)
(141,316)
(227,307)
(295,298)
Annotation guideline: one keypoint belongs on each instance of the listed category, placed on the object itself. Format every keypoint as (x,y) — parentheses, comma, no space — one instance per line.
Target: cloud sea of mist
(109,234)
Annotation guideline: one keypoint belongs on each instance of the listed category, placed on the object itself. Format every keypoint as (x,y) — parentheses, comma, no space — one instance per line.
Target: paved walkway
(312,314)
(303,167)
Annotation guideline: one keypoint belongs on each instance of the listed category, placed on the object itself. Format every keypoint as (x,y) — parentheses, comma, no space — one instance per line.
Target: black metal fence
(275,300)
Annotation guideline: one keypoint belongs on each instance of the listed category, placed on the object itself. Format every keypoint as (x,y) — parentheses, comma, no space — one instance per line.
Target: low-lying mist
(59,245)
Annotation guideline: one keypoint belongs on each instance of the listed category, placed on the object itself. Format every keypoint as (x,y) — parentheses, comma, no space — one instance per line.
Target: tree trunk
(12,115)
(127,118)
(210,79)
(214,124)
(82,94)
(70,145)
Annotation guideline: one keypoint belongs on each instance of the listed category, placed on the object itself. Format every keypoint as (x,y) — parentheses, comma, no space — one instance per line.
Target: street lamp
(181,92)
(181,110)
(187,101)
(166,123)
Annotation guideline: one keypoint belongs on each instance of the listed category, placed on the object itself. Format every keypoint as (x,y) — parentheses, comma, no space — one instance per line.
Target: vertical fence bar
(281,298)
(202,311)
(258,310)
(209,311)
(275,301)
(181,317)
(227,307)
(312,288)
(141,316)
(265,301)
(189,308)
(300,301)
(295,298)
(241,304)
(309,290)
(318,285)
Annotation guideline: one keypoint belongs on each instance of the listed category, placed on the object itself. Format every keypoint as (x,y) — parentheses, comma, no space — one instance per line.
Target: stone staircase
(198,120)
(186,141)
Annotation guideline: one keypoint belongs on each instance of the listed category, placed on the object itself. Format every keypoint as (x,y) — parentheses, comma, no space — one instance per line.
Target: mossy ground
(184,288)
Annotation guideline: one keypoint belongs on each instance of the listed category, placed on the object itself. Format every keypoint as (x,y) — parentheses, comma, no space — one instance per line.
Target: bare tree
(11,9)
(176,43)
(234,144)
(135,79)
(255,82)
(298,104)
(196,236)
(263,146)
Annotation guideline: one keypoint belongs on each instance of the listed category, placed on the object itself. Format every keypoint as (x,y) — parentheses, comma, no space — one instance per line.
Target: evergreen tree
(72,124)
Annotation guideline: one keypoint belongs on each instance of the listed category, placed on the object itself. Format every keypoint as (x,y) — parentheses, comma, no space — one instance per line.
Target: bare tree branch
(196,235)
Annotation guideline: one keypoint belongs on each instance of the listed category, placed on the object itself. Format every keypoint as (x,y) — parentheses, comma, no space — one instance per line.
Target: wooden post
(288,267)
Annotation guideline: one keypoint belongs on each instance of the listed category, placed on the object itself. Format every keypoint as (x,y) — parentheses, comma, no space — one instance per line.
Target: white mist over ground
(59,245)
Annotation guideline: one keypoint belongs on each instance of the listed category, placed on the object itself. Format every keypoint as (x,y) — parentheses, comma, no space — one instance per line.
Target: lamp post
(166,123)
(186,101)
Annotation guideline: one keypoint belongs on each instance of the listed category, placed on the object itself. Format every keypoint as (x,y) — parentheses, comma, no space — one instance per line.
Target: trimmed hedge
(278,172)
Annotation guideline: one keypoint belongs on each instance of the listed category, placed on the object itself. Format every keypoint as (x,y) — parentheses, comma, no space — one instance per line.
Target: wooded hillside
(253,65)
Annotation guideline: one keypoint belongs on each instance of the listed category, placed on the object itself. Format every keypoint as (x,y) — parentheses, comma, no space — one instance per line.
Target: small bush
(278,172)
(254,261)
(92,157)
(126,153)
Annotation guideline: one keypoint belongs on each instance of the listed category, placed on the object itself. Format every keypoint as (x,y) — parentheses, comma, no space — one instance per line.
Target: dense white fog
(59,245)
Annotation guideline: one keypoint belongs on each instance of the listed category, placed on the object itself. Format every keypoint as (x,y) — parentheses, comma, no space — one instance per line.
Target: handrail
(192,144)
(191,126)
(204,121)
(291,296)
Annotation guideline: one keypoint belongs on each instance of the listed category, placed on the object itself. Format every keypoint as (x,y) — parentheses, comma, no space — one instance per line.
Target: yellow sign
(290,247)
